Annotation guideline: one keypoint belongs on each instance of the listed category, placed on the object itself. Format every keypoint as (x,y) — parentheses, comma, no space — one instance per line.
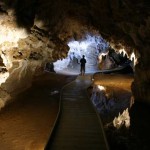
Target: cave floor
(26,122)
(137,136)
(79,127)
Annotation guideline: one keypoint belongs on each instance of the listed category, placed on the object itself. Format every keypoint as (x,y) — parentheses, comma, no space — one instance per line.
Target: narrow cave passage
(36,32)
(98,54)
(114,72)
(91,46)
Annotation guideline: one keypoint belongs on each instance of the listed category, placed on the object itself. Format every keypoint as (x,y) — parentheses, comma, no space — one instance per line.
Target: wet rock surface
(136,137)
(26,122)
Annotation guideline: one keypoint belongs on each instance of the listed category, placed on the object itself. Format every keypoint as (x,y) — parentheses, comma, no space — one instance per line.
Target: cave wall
(24,52)
(51,23)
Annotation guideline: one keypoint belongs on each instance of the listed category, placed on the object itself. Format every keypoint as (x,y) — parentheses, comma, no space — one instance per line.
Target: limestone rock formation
(34,32)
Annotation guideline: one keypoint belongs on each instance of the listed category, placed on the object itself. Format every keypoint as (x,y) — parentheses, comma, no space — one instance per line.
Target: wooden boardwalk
(78,127)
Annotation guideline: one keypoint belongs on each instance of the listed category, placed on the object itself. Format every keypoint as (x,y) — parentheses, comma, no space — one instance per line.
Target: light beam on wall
(3,77)
(133,58)
(10,34)
(91,46)
(123,51)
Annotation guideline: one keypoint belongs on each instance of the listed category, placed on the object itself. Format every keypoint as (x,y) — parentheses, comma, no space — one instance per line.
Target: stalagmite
(122,119)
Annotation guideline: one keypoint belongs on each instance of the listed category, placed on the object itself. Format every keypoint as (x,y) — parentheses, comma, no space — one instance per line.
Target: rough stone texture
(51,23)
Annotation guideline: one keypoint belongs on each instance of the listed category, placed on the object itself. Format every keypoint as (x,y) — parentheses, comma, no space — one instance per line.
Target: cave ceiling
(123,22)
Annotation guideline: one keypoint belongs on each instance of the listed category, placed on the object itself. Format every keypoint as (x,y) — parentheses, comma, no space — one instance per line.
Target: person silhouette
(82,62)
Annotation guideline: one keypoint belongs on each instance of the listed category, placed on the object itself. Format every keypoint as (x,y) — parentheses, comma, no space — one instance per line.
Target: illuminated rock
(122,119)
(51,25)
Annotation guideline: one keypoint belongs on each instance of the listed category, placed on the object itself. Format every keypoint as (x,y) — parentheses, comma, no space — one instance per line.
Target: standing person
(83,62)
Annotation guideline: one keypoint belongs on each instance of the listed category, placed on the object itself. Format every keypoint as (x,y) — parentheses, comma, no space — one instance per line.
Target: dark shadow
(25,13)
(140,123)
(24,10)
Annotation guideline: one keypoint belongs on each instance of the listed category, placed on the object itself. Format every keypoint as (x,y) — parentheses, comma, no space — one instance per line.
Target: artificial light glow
(6,60)
(90,46)
(3,77)
(101,55)
(123,51)
(61,64)
(133,58)
(101,88)
(122,119)
(12,35)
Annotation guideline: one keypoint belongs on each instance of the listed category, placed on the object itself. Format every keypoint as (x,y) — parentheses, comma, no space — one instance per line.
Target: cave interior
(37,32)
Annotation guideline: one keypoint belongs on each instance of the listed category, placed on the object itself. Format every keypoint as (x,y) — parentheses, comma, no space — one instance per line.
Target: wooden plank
(79,127)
